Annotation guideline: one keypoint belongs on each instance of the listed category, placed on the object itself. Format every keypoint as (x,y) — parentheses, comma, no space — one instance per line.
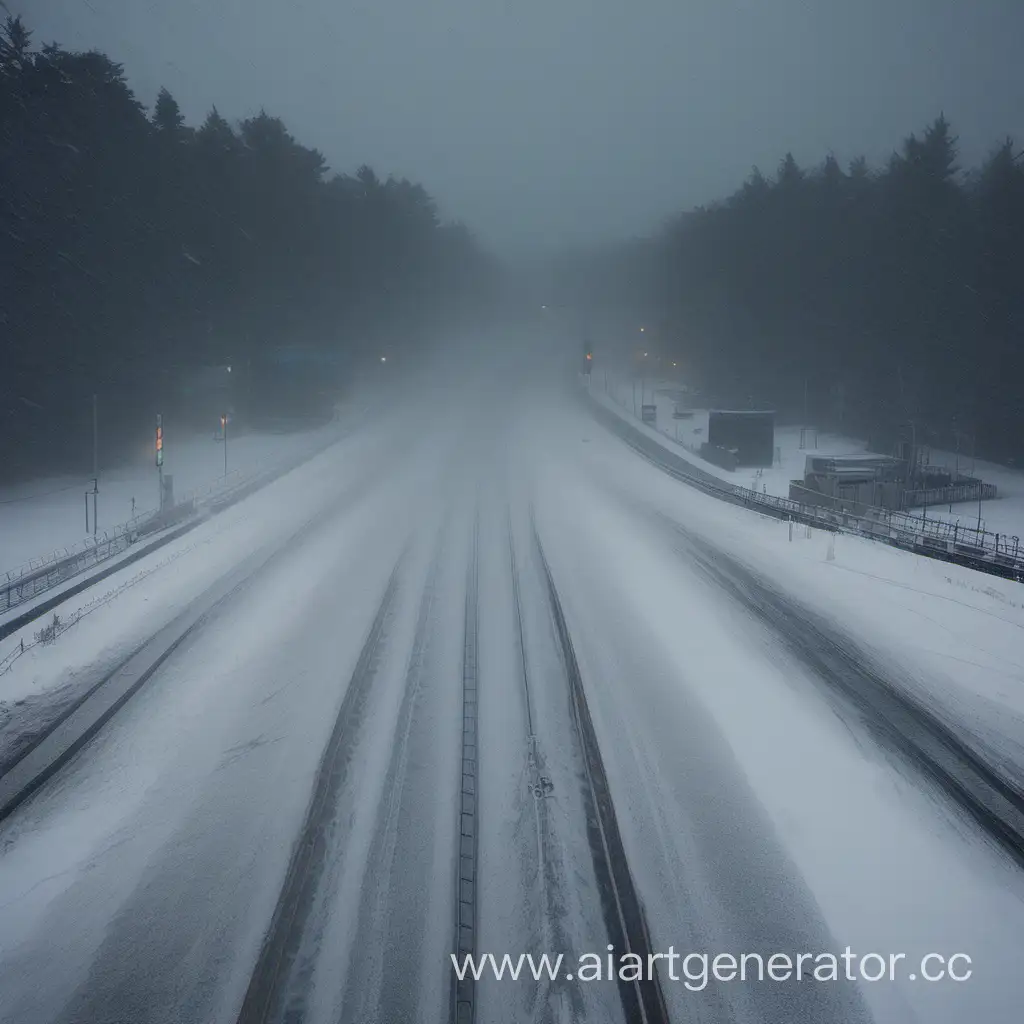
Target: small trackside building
(749,433)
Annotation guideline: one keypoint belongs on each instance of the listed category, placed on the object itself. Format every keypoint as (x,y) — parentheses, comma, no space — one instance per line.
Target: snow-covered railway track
(269,983)
(643,1001)
(395,970)
(45,752)
(550,876)
(463,990)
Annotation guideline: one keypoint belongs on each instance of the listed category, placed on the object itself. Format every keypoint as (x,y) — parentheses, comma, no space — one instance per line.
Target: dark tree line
(893,295)
(134,248)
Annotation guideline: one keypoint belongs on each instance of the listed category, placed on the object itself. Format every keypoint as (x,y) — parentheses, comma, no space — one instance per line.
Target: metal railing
(974,490)
(41,574)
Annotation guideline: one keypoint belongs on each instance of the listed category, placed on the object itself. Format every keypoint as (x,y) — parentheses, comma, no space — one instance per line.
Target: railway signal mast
(160,457)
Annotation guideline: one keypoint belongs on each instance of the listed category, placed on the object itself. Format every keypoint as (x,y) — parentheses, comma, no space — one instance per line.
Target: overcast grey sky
(546,122)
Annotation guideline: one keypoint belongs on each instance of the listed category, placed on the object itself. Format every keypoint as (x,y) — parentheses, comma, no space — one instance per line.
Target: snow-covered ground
(42,516)
(1004,515)
(757,814)
(690,433)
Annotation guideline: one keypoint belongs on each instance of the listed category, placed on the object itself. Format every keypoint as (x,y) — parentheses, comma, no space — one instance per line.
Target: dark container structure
(748,433)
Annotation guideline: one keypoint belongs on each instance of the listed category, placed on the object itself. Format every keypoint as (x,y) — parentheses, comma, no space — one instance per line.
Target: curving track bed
(506,697)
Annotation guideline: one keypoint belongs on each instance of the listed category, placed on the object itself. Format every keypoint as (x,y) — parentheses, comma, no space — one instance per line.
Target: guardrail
(988,552)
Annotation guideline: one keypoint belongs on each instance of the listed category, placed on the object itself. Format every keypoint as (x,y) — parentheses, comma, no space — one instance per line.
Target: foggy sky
(548,122)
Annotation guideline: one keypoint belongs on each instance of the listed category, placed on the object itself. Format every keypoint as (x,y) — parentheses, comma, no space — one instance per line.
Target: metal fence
(41,574)
(973,490)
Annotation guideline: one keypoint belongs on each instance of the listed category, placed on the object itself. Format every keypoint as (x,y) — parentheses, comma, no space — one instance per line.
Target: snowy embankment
(957,633)
(1004,515)
(43,516)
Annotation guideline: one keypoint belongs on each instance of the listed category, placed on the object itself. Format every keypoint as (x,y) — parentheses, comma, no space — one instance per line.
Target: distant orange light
(589,356)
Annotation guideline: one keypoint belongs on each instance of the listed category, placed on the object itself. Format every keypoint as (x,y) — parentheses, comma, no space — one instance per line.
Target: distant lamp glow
(675,364)
(642,329)
(645,355)
(383,359)
(229,369)
(543,307)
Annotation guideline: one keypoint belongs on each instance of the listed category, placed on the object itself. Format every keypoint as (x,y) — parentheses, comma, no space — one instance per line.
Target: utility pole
(95,466)
(224,431)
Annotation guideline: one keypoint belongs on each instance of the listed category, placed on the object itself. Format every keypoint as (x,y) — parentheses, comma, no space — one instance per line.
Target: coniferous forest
(136,249)
(887,295)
